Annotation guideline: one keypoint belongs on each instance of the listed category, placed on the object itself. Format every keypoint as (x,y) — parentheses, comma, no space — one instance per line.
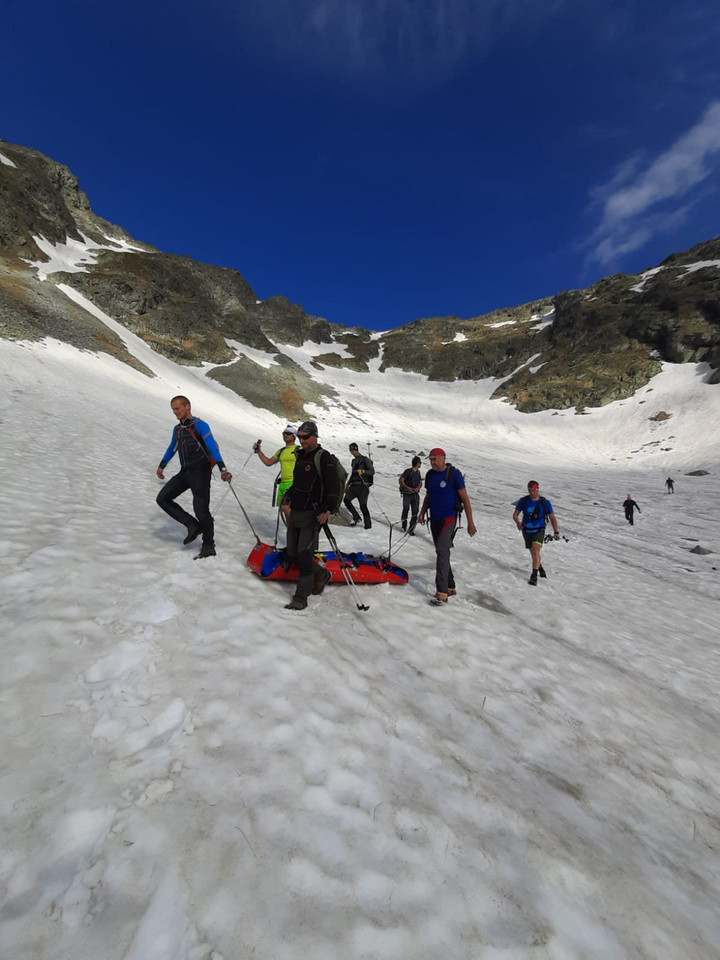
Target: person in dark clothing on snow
(670,484)
(313,497)
(630,505)
(410,486)
(359,482)
(197,450)
(536,511)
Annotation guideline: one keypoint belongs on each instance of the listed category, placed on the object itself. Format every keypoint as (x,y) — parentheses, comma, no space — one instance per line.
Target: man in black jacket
(630,505)
(314,495)
(359,482)
(410,486)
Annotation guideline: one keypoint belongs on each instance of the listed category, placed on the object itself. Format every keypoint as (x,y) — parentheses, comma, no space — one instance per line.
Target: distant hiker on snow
(314,495)
(361,477)
(410,485)
(670,484)
(536,511)
(285,456)
(630,505)
(445,497)
(198,452)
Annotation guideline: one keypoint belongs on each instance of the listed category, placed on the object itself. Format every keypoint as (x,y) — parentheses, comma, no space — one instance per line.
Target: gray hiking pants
(443,532)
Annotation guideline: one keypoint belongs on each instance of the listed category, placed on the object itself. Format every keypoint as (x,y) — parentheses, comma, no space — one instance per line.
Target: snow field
(193,772)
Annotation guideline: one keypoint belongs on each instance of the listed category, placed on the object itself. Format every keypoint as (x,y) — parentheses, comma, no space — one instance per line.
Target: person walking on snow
(410,486)
(444,488)
(197,451)
(362,472)
(670,484)
(630,505)
(536,511)
(313,496)
(285,456)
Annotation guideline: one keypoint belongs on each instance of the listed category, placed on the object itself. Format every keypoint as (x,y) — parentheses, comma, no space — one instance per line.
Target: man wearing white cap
(285,456)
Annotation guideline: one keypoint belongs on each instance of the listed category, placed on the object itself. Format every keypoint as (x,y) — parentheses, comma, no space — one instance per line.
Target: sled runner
(270,564)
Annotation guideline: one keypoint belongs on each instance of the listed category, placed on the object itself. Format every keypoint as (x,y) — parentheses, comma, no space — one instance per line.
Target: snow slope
(191,772)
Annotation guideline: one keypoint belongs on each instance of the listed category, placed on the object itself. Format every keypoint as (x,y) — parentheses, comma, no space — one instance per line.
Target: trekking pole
(254,450)
(277,526)
(244,511)
(222,501)
(343,566)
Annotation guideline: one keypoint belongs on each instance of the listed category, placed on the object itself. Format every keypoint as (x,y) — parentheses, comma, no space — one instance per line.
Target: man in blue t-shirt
(536,511)
(444,487)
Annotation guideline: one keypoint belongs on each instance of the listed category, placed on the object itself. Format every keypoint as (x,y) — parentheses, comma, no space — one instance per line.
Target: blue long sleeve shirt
(194,444)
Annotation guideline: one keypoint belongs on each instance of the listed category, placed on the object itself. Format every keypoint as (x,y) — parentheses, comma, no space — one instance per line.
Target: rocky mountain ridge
(577,349)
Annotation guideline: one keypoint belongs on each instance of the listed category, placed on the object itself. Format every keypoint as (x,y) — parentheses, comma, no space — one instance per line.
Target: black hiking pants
(411,505)
(359,492)
(197,479)
(302,544)
(629,517)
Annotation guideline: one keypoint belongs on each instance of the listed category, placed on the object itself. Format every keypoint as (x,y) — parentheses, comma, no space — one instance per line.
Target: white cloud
(639,204)
(408,42)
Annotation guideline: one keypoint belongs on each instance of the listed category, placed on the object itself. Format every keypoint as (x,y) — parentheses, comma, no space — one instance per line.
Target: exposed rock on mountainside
(577,349)
(284,388)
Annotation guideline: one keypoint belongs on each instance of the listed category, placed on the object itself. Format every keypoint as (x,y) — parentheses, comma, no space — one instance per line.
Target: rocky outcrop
(283,389)
(40,197)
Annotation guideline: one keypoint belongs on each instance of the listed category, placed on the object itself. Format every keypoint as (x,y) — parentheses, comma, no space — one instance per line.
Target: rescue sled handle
(244,511)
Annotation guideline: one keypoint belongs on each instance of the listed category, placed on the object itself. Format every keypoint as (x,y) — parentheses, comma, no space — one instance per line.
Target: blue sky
(383,160)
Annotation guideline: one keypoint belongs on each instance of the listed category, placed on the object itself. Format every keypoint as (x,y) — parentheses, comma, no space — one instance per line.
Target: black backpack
(341,472)
(535,515)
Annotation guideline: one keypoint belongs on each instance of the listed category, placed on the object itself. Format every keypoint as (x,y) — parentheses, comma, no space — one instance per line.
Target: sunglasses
(304,436)
(287,433)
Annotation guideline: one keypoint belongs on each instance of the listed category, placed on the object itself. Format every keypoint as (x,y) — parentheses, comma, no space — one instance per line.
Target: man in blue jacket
(198,452)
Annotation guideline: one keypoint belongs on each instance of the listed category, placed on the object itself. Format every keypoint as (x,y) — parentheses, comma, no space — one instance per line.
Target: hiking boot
(441,597)
(322,579)
(452,592)
(543,575)
(354,523)
(193,532)
(533,578)
(297,603)
(368,526)
(207,550)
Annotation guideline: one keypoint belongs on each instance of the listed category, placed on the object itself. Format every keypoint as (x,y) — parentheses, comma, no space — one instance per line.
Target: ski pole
(343,566)
(254,450)
(277,526)
(244,511)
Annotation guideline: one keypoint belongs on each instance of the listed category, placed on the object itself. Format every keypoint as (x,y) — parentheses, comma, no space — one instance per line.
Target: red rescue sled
(267,561)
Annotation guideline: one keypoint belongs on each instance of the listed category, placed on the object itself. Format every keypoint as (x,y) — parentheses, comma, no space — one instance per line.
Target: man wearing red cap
(444,491)
(536,511)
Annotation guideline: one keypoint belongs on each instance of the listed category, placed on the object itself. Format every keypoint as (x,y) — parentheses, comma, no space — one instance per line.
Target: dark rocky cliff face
(579,348)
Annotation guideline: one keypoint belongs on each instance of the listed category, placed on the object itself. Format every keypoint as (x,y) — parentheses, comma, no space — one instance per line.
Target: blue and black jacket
(195,445)
(535,513)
